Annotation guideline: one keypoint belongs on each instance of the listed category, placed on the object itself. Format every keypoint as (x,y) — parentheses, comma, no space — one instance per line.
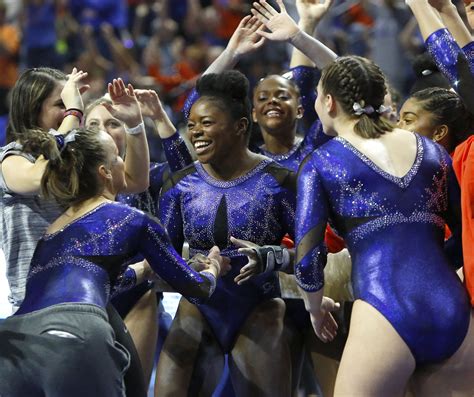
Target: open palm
(281,26)
(313,9)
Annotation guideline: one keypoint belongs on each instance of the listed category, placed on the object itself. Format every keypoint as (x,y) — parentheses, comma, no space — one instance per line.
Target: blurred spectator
(9,51)
(39,33)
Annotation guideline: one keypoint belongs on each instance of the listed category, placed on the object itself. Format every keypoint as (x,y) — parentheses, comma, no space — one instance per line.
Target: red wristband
(74,112)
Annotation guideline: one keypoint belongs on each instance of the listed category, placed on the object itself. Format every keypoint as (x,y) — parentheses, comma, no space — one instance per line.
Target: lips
(273,113)
(201,146)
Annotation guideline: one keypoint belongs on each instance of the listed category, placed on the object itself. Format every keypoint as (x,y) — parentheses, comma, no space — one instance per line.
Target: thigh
(188,346)
(454,376)
(376,361)
(260,360)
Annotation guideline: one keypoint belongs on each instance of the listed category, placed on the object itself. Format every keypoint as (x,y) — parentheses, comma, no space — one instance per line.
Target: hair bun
(231,84)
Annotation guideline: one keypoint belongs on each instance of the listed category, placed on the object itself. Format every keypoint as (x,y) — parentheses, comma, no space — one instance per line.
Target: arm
(244,40)
(21,176)
(156,247)
(311,220)
(452,20)
(283,28)
(126,108)
(310,13)
(176,151)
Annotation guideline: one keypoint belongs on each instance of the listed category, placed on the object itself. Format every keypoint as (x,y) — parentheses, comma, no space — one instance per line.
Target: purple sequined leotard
(394,230)
(81,262)
(258,206)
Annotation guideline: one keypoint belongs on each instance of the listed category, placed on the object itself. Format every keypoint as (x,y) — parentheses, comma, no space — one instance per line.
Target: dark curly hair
(230,91)
(446,107)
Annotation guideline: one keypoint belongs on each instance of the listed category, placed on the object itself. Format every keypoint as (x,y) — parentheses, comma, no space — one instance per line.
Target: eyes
(108,124)
(281,96)
(205,123)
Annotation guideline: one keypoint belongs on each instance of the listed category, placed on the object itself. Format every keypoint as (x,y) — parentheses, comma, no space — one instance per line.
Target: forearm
(137,163)
(225,61)
(312,300)
(297,57)
(427,18)
(455,24)
(316,51)
(164,127)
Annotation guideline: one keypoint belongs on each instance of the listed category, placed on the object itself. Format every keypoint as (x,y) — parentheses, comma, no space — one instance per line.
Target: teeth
(273,113)
(201,144)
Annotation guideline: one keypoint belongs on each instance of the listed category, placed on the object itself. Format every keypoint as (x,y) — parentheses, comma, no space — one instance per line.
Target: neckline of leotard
(234,182)
(284,156)
(48,236)
(402,181)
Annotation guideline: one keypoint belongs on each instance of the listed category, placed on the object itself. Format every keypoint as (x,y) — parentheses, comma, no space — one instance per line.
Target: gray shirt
(23,220)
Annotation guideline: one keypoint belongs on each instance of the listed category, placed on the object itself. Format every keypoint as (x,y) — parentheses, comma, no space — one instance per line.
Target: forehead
(207,106)
(99,112)
(275,82)
(412,105)
(56,92)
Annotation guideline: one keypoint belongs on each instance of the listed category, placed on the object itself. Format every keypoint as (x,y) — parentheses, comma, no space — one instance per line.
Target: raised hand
(323,322)
(125,105)
(150,104)
(73,89)
(245,38)
(281,26)
(313,10)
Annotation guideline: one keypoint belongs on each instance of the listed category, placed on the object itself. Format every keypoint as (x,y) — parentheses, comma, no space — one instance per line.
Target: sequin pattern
(95,249)
(444,50)
(394,230)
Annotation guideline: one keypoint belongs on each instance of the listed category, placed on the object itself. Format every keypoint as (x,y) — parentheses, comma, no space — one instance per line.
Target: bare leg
(376,361)
(142,324)
(260,360)
(453,377)
(185,355)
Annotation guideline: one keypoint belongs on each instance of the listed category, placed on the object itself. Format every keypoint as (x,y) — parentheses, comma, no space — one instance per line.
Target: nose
(195,131)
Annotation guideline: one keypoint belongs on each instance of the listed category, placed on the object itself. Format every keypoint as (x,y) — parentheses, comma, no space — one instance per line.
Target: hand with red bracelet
(71,95)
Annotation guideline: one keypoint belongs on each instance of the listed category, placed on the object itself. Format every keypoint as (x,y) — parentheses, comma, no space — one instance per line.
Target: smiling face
(212,131)
(414,118)
(276,104)
(52,109)
(100,118)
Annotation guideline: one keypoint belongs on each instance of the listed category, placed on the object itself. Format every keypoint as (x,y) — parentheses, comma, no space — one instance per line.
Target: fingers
(244,22)
(271,11)
(261,12)
(214,251)
(245,274)
(250,252)
(242,243)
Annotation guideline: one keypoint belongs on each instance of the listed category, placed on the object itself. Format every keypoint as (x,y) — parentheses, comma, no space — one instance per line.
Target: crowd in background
(166,45)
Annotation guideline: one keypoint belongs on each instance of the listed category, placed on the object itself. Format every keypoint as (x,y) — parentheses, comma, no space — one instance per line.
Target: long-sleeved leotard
(305,78)
(259,207)
(444,50)
(81,262)
(394,229)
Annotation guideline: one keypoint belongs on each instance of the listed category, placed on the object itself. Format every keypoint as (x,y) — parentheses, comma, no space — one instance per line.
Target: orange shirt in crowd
(10,41)
(463,164)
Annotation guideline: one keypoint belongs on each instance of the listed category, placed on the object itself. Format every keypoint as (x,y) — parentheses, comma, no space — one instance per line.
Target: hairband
(63,140)
(359,110)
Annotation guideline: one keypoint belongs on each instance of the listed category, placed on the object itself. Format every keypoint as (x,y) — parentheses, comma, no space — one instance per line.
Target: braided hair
(354,80)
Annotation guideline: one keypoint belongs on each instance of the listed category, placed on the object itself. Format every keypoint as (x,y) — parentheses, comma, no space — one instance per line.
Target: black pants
(62,350)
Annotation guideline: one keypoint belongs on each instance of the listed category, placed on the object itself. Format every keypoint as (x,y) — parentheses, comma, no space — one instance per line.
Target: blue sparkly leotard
(444,50)
(394,230)
(305,78)
(81,262)
(258,206)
